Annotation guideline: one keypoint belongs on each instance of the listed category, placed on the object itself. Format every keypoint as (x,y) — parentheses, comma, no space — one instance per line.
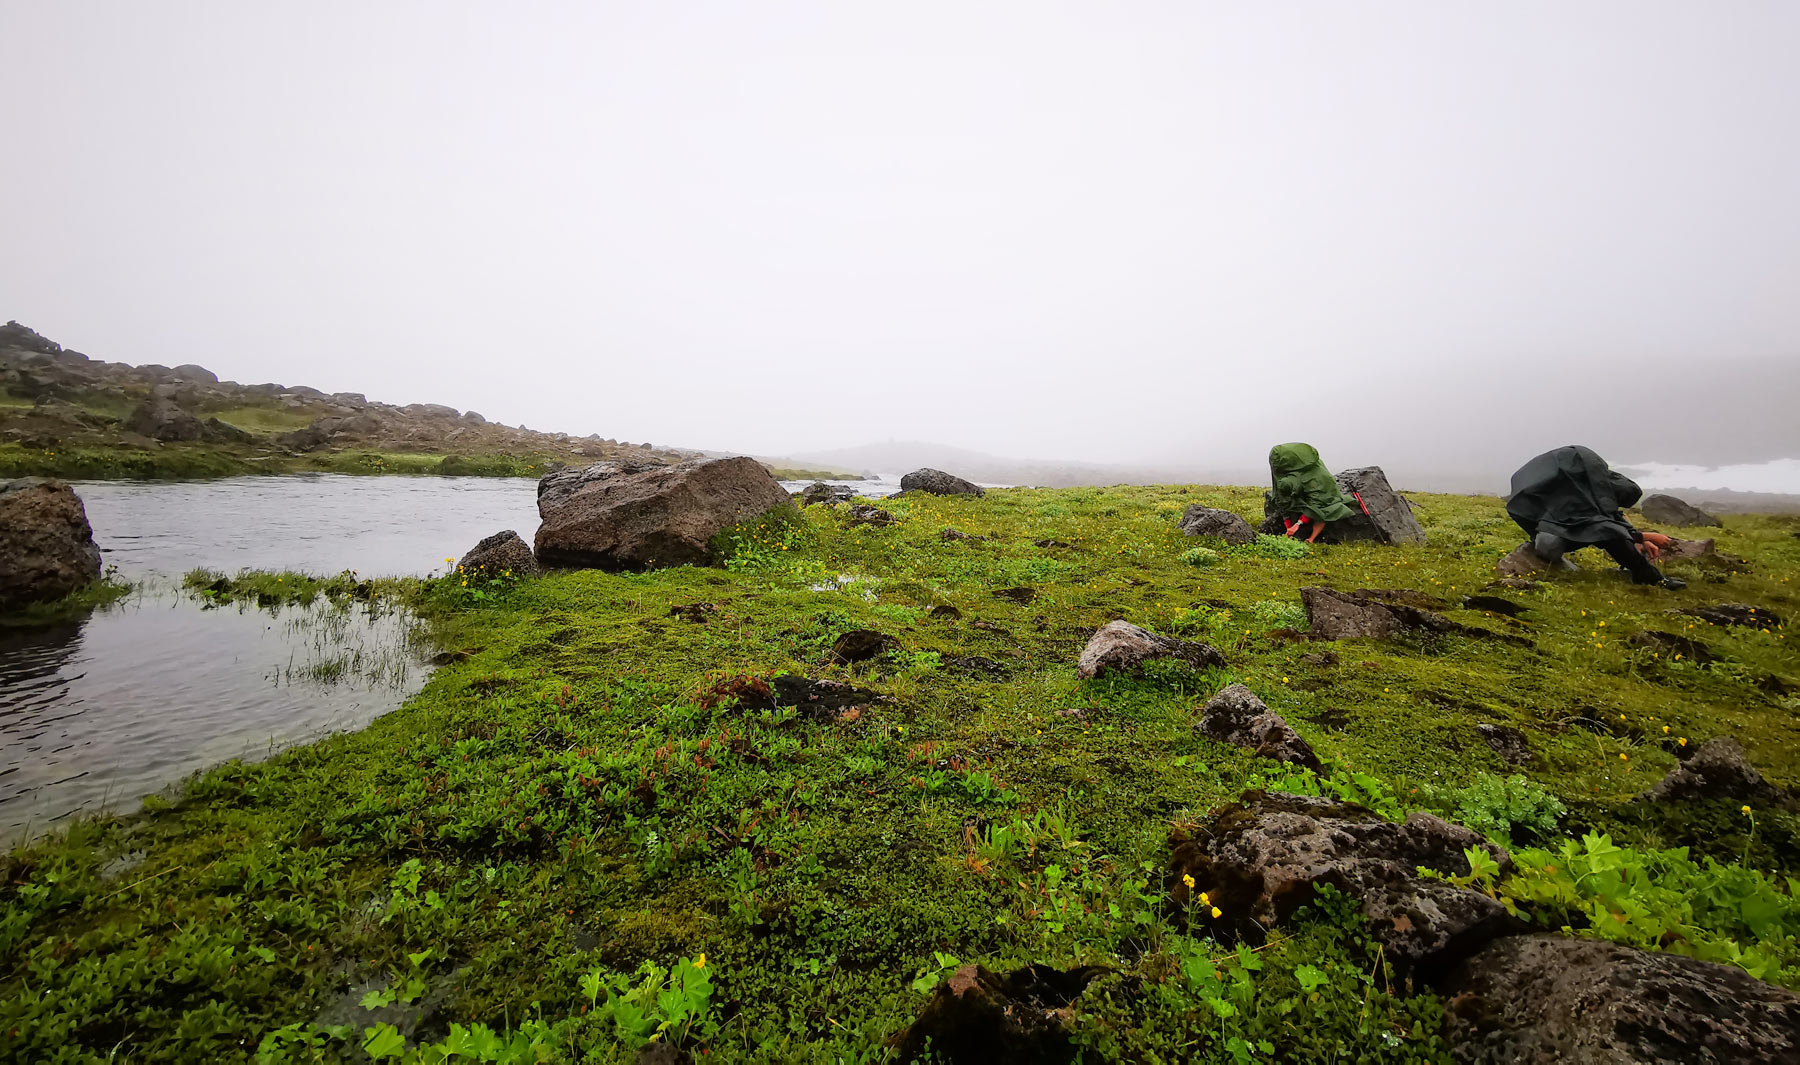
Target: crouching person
(1569,498)
(1305,494)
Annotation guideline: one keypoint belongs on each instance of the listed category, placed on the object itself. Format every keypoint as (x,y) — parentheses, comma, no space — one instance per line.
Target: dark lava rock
(1493,604)
(975,664)
(1667,510)
(939,483)
(159,419)
(46,545)
(637,518)
(1261,859)
(820,700)
(1336,615)
(1719,769)
(1122,646)
(1513,747)
(1688,550)
(1403,597)
(1549,998)
(944,612)
(1210,521)
(860,645)
(1236,716)
(824,494)
(864,514)
(499,554)
(694,612)
(1389,512)
(1016,595)
(976,1017)
(1671,644)
(1750,617)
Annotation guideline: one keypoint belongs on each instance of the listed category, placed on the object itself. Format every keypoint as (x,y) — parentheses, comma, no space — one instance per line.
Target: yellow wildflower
(700,962)
(1746,809)
(1188,879)
(1216,912)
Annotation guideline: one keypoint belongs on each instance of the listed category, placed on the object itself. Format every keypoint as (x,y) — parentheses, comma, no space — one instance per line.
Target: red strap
(1360,503)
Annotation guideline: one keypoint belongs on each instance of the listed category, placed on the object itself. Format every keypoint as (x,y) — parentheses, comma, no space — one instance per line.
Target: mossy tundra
(583,837)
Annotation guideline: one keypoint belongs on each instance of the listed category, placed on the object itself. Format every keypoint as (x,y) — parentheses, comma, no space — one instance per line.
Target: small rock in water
(1668,510)
(1124,647)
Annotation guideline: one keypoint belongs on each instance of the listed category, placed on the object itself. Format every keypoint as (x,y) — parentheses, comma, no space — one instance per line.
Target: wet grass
(577,794)
(72,607)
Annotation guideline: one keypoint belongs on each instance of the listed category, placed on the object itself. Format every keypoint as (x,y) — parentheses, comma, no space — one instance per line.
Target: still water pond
(96,714)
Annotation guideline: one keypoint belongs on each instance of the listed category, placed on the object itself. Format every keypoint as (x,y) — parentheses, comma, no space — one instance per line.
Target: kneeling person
(1569,498)
(1304,492)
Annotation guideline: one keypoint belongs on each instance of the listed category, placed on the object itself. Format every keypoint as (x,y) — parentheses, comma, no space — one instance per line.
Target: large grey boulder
(1122,647)
(1236,716)
(46,545)
(1389,519)
(1198,520)
(1668,510)
(502,554)
(1262,858)
(1552,998)
(939,483)
(160,419)
(625,516)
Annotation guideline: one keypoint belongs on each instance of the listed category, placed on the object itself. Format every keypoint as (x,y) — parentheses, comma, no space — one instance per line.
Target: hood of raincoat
(1304,486)
(1572,493)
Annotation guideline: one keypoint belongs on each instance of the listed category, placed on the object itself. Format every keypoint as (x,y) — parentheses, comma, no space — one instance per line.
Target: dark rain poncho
(1304,486)
(1572,493)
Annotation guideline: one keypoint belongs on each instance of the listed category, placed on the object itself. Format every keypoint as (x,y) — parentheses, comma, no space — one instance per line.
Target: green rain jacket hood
(1572,493)
(1304,486)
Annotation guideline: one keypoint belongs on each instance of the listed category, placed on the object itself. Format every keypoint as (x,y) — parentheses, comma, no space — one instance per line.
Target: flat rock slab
(1120,646)
(47,547)
(939,483)
(1493,604)
(1264,857)
(1740,614)
(619,516)
(1210,521)
(1336,615)
(1668,510)
(1551,998)
(1236,716)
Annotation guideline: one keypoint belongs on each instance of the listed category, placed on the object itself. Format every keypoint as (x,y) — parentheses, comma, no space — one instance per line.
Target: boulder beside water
(47,547)
(625,516)
(939,483)
(504,553)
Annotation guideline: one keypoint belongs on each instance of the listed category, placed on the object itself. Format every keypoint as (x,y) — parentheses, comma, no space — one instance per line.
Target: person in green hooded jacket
(1305,493)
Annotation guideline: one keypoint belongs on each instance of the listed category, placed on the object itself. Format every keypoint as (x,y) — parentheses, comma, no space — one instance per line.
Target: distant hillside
(64,413)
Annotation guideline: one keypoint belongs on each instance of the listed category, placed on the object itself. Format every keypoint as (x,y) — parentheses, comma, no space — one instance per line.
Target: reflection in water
(155,687)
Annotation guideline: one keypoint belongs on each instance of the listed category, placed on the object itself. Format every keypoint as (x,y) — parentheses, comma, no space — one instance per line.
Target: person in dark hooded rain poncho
(1570,498)
(1305,493)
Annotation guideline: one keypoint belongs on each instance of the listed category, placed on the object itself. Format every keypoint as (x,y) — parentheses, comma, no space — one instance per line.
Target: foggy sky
(1414,233)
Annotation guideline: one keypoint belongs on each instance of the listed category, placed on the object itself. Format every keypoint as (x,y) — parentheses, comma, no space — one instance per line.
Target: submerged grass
(574,841)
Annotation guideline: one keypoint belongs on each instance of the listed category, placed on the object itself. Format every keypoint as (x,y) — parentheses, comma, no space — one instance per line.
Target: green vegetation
(587,833)
(72,607)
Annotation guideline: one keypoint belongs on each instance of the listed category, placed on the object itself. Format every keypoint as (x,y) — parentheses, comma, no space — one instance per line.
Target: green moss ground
(572,798)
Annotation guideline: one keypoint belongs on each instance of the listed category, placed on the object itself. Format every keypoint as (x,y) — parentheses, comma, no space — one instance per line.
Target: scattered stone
(1688,550)
(1553,998)
(864,514)
(1123,647)
(1493,604)
(500,553)
(1051,543)
(944,612)
(46,544)
(1513,746)
(1236,716)
(1718,770)
(1404,597)
(160,419)
(1210,521)
(939,483)
(1673,645)
(978,1018)
(976,664)
(1335,615)
(1742,614)
(1522,561)
(1517,584)
(817,700)
(860,645)
(1261,859)
(694,612)
(619,516)
(1389,513)
(1320,658)
(822,494)
(958,534)
(1020,595)
(1668,510)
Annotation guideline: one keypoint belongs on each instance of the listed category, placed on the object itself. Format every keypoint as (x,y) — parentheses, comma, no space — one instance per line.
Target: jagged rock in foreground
(978,1018)
(620,516)
(1550,998)
(1122,646)
(1719,769)
(501,553)
(1236,716)
(1668,510)
(1336,615)
(46,545)
(1264,857)
(826,494)
(939,483)
(1210,521)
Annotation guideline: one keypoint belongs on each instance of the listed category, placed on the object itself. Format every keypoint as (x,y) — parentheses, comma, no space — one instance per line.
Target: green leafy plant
(1508,808)
(1200,556)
